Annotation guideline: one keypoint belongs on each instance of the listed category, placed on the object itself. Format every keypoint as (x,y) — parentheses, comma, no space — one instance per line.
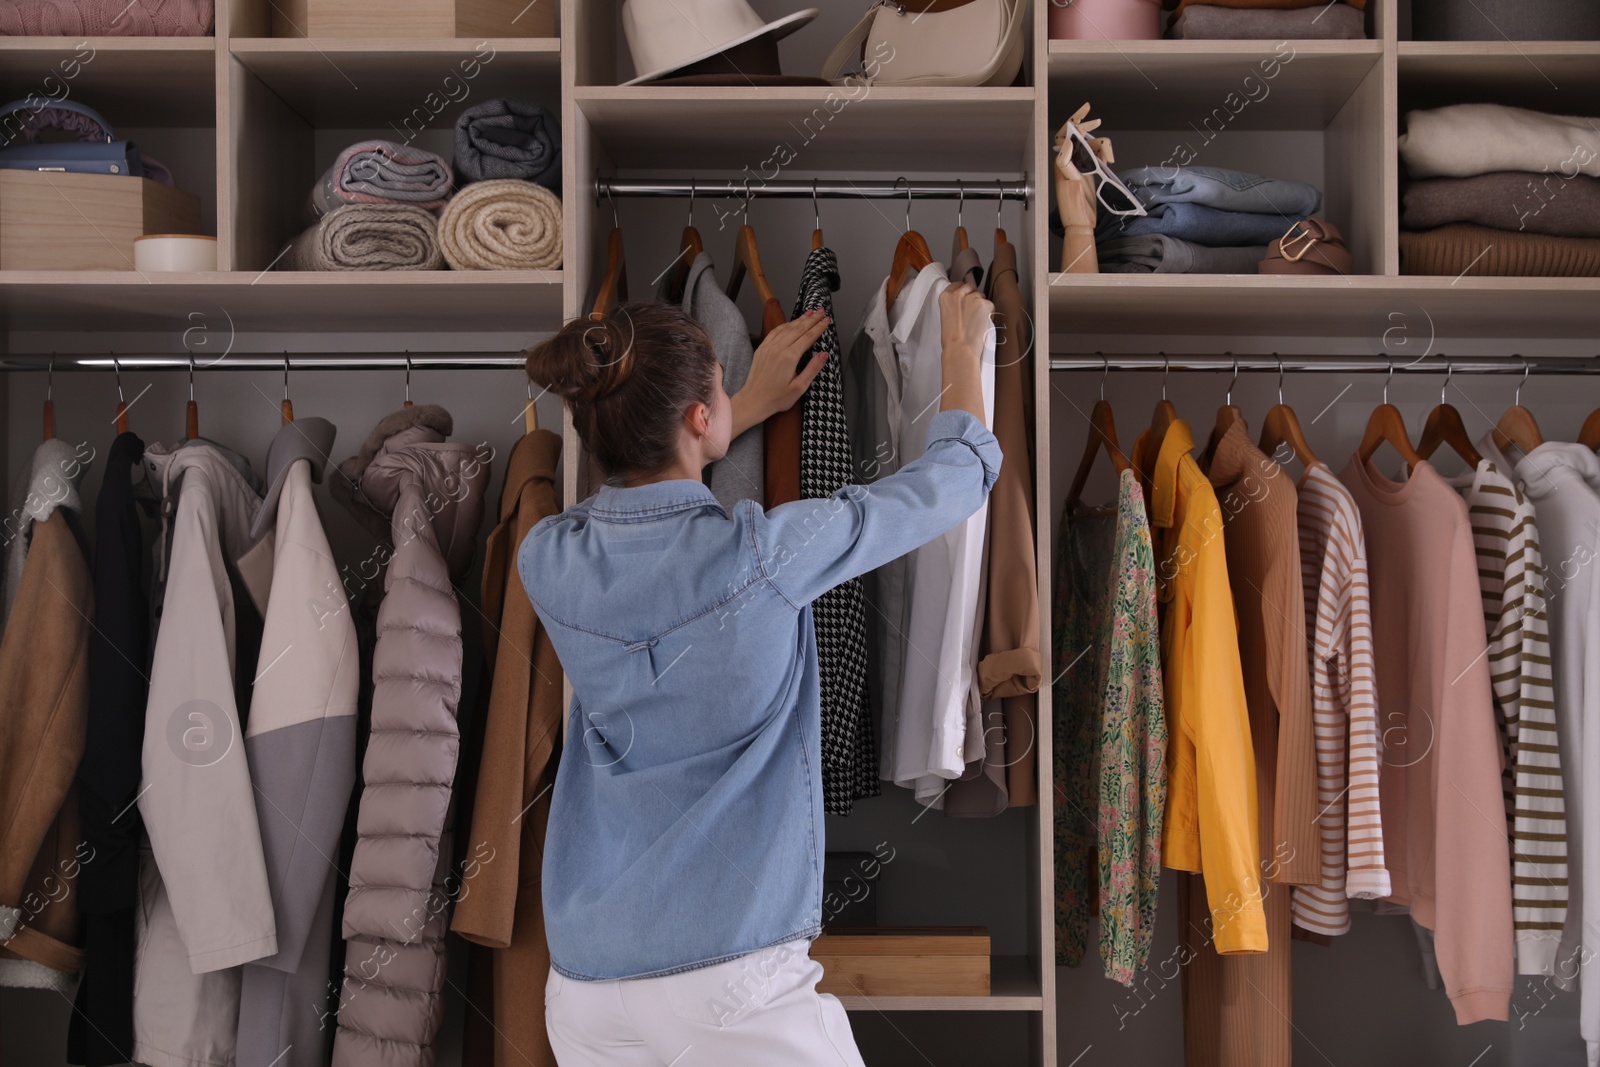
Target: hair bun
(585,359)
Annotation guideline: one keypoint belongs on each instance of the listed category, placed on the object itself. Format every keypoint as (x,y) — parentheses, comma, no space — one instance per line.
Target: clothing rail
(1439,363)
(295,361)
(830,189)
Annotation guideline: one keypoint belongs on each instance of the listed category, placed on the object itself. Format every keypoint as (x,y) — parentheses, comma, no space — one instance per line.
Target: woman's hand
(772,385)
(965,319)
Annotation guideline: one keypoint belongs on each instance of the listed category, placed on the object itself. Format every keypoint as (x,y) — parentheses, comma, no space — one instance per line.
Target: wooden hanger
(122,405)
(689,247)
(1387,424)
(747,260)
(1517,425)
(1227,415)
(910,254)
(614,283)
(816,210)
(1444,426)
(191,414)
(1589,436)
(1282,426)
(287,407)
(1102,434)
(530,412)
(49,402)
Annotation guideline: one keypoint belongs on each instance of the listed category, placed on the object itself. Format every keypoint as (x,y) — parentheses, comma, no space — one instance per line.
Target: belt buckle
(1310,241)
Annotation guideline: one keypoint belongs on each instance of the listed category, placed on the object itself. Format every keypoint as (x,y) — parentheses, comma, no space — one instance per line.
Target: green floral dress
(1110,734)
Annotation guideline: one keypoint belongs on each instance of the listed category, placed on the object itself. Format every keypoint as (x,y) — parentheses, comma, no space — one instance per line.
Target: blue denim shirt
(686,823)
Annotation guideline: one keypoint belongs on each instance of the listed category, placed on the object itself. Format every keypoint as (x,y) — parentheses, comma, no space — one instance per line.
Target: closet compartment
(397,19)
(296,105)
(157,92)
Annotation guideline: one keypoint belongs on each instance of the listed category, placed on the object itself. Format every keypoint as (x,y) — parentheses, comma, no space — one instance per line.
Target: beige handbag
(933,42)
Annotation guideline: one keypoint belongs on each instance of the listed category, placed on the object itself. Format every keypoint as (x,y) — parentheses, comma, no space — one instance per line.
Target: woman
(683,868)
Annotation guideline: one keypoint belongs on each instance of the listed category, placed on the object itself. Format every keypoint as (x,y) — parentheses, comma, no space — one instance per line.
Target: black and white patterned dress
(849,756)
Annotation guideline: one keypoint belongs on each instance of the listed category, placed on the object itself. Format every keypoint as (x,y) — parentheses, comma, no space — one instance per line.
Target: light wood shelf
(1013,986)
(132,81)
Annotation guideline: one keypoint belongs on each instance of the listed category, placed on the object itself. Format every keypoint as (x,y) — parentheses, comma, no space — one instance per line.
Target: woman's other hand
(772,384)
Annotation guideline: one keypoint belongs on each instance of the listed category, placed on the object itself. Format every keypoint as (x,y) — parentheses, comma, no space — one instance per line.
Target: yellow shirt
(1211,817)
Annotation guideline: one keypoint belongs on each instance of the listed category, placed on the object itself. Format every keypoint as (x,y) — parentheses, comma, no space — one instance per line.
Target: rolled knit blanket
(1214,22)
(1462,140)
(381,172)
(368,237)
(105,18)
(502,225)
(508,139)
(1479,252)
(1507,200)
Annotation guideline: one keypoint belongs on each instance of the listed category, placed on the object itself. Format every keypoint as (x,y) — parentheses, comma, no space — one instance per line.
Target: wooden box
(50,220)
(414,18)
(903,961)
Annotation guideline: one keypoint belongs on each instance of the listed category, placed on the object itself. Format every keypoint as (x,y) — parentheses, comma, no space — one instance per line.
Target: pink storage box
(1105,20)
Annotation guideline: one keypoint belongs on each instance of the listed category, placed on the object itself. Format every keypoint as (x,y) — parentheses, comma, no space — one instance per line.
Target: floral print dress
(1110,734)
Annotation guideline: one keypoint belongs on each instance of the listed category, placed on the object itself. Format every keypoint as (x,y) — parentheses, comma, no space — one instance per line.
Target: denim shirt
(686,822)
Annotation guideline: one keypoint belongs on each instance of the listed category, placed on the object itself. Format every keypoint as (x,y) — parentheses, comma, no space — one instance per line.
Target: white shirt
(938,691)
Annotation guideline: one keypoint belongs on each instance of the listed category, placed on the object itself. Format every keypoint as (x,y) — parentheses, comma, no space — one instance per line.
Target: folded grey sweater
(1507,200)
(1462,140)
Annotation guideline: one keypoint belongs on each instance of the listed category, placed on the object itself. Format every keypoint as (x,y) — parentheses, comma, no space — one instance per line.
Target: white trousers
(760,1008)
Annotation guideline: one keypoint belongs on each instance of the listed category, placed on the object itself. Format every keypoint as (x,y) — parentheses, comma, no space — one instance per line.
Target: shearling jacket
(205,900)
(300,744)
(426,496)
(44,694)
(503,908)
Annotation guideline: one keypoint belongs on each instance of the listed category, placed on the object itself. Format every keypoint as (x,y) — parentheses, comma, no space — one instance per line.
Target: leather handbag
(933,42)
(97,151)
(1311,246)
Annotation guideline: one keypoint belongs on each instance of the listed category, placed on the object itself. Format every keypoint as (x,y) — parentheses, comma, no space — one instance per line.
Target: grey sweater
(740,473)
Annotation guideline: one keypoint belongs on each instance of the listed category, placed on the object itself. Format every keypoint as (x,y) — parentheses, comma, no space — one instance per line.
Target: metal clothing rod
(1437,363)
(802,189)
(297,361)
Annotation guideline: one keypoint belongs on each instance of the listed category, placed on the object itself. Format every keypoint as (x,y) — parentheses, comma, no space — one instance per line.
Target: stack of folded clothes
(508,159)
(1201,220)
(1244,20)
(1500,191)
(375,208)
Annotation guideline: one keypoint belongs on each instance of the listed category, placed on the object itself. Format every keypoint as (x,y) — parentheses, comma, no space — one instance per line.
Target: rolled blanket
(502,225)
(368,237)
(1211,22)
(508,139)
(1463,140)
(105,18)
(1226,190)
(1203,225)
(1156,253)
(381,172)
(1479,252)
(1507,200)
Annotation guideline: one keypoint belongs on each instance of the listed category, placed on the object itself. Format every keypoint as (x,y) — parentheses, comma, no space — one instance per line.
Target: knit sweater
(1463,249)
(1466,139)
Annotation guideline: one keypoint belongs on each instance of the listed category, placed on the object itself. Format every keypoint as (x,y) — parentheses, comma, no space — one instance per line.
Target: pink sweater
(1443,817)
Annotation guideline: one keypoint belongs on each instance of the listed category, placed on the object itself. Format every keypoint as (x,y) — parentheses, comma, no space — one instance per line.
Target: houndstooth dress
(849,757)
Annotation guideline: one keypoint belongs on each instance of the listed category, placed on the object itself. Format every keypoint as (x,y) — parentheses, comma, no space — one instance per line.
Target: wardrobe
(251,120)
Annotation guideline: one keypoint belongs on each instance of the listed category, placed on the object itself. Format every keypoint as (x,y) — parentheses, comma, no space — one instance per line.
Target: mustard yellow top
(1211,817)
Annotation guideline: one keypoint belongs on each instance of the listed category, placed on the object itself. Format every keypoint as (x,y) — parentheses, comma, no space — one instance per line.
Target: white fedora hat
(667,35)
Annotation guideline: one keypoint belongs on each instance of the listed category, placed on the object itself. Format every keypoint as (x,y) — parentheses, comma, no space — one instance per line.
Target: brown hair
(629,377)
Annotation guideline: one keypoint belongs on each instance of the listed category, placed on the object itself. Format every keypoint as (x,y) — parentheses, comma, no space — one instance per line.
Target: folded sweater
(1466,139)
(1216,22)
(1477,251)
(1156,253)
(1507,200)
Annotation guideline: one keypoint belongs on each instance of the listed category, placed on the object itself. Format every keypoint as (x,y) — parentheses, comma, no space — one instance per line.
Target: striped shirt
(1511,575)
(1333,565)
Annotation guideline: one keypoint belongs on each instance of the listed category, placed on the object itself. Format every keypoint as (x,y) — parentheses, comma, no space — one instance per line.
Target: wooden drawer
(50,220)
(903,961)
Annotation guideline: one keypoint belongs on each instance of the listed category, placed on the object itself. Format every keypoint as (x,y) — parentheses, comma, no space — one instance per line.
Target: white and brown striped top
(1333,565)
(1511,576)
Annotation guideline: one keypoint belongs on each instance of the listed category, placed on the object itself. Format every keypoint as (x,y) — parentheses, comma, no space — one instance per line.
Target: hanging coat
(426,496)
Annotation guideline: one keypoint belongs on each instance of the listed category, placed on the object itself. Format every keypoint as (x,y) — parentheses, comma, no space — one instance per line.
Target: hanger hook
(1526,368)
(961,201)
(286,375)
(118,368)
(191,376)
(50,379)
(999,200)
(897,182)
(1234,380)
(691,205)
(1105,369)
(816,208)
(1449,370)
(1388,377)
(1280,377)
(616,223)
(1166,370)
(408,376)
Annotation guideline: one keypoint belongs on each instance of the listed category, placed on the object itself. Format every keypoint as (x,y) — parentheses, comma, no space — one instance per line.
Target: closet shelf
(1375,307)
(1013,986)
(1165,85)
(132,81)
(341,82)
(768,130)
(1558,76)
(521,301)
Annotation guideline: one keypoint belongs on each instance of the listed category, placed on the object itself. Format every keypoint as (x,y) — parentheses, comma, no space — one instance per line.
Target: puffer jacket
(205,902)
(426,497)
(300,741)
(44,708)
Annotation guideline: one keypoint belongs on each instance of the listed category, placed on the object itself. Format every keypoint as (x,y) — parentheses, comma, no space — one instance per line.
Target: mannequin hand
(965,319)
(772,385)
